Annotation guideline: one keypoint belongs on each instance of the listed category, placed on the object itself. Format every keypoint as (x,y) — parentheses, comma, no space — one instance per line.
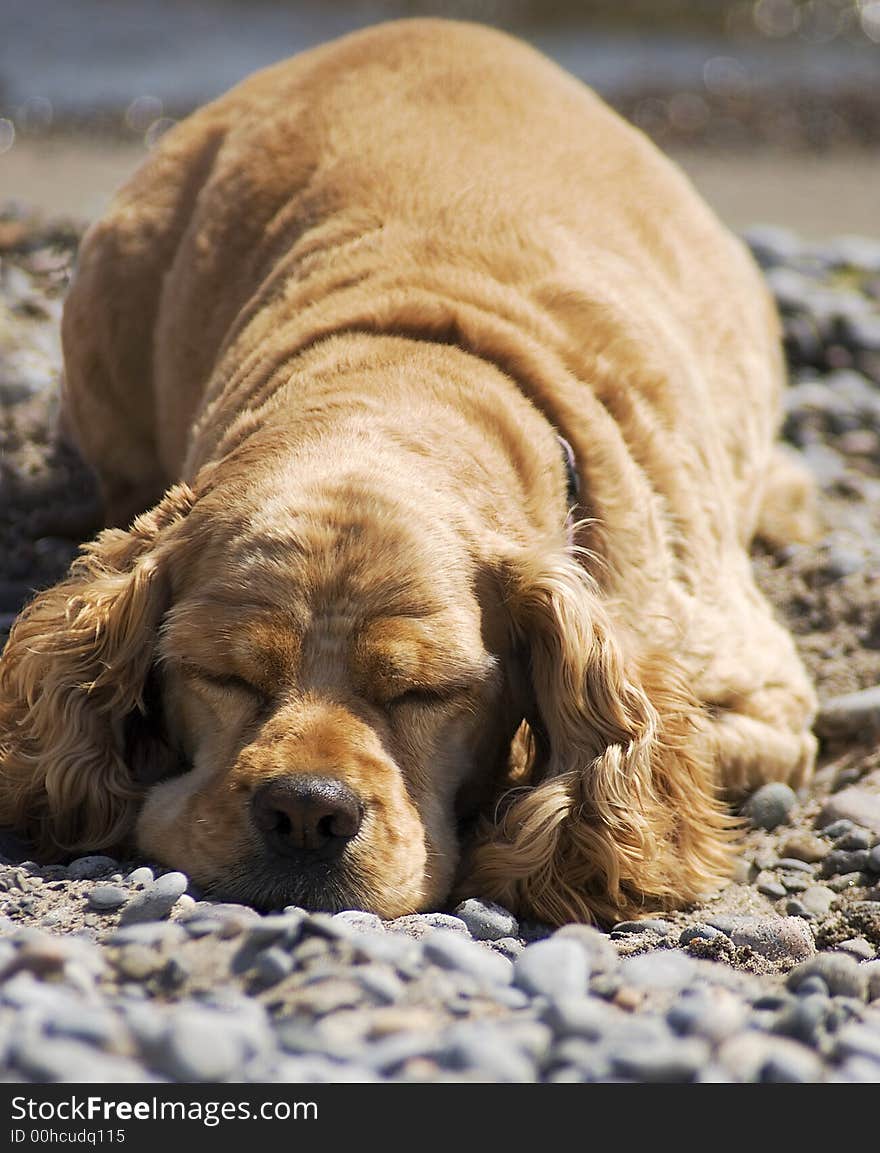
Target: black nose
(314,816)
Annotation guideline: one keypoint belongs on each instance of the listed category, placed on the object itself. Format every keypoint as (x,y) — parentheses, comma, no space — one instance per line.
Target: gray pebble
(578,1016)
(488,1050)
(840,972)
(487,921)
(553,968)
(855,804)
(381,982)
(283,928)
(818,899)
(509,947)
(141,876)
(107,898)
(648,925)
(360,921)
(841,861)
(854,714)
(698,933)
(66,1060)
(451,950)
(770,886)
(662,969)
(672,1060)
(776,938)
(272,965)
(873,862)
(155,902)
(199,1046)
(756,1057)
(770,806)
(858,948)
(152,934)
(602,956)
(416,925)
(855,1040)
(813,985)
(88,868)
(871,971)
(795,865)
(708,1012)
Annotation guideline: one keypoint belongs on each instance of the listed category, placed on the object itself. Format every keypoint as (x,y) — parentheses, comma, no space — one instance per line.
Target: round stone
(602,956)
(840,972)
(141,876)
(273,965)
(698,933)
(487,921)
(770,806)
(803,847)
(88,868)
(553,968)
(671,1060)
(451,950)
(155,902)
(199,1046)
(776,938)
(818,899)
(107,898)
(666,969)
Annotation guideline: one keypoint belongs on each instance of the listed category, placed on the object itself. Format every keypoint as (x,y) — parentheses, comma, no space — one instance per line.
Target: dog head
(304,692)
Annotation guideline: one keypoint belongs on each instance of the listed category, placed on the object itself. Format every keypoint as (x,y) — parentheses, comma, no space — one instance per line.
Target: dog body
(330,336)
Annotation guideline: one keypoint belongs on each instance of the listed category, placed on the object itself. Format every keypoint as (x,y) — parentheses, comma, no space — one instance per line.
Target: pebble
(601,954)
(755,1057)
(851,715)
(107,898)
(156,901)
(818,899)
(553,968)
(486,921)
(89,868)
(855,804)
(360,921)
(662,969)
(770,806)
(451,950)
(672,1060)
(141,876)
(857,947)
(707,1012)
(198,1046)
(840,972)
(698,933)
(840,861)
(780,939)
(416,925)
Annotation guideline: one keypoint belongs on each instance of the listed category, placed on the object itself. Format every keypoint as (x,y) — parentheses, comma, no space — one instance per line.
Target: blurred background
(772,106)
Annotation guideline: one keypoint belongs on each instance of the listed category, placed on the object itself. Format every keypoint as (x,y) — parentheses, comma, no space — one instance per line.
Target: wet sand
(818,196)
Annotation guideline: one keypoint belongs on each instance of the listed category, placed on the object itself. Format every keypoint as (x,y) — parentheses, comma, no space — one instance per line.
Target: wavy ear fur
(74,667)
(622,814)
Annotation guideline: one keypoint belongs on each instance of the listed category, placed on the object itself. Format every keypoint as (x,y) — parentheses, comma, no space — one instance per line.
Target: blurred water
(82,55)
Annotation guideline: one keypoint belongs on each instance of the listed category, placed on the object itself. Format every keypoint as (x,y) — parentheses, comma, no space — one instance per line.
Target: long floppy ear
(622,814)
(74,667)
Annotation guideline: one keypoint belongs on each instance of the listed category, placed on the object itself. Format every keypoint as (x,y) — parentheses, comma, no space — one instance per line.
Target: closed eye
(426,696)
(227,683)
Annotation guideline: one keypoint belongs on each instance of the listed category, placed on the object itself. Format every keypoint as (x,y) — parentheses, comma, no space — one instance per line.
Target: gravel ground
(112,971)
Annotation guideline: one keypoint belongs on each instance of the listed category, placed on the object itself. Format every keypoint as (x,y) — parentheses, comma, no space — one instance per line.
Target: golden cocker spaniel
(350,336)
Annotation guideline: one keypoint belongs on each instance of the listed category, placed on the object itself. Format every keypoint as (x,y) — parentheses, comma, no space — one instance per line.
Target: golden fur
(328,337)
